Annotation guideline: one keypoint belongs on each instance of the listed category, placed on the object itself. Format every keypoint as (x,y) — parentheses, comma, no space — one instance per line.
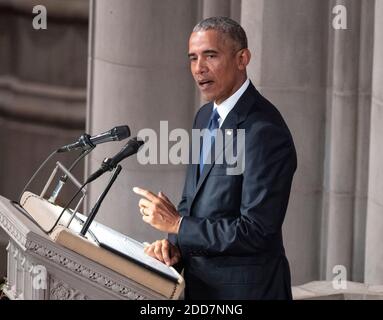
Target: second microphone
(109,164)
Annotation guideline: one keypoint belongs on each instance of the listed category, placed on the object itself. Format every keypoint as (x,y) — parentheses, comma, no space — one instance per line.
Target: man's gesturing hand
(164,251)
(158,211)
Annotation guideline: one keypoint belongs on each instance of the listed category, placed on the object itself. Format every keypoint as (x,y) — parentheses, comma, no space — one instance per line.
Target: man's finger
(145,211)
(165,252)
(146,245)
(147,219)
(149,250)
(144,203)
(174,260)
(145,193)
(158,252)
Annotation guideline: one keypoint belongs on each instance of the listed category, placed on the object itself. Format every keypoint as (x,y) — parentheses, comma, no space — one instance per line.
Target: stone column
(319,78)
(288,43)
(138,75)
(341,142)
(363,138)
(374,229)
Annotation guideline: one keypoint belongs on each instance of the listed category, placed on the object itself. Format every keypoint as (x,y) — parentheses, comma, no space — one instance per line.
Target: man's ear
(244,57)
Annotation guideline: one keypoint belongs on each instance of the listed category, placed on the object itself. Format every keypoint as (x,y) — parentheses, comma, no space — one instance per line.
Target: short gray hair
(225,25)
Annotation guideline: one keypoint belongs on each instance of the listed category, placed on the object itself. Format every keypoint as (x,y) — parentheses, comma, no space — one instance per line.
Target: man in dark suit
(227,230)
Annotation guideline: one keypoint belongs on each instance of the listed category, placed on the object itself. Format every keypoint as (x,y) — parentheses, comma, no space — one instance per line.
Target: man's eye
(192,58)
(210,56)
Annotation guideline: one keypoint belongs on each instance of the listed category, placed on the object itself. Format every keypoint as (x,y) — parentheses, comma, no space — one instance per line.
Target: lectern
(64,265)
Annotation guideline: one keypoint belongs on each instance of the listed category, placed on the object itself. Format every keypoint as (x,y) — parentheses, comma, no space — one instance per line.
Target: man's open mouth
(205,83)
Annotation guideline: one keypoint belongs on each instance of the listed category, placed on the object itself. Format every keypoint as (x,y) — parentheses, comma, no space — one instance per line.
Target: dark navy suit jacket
(230,236)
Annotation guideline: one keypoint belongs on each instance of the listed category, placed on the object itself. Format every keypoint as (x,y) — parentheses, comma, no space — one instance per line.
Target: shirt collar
(226,106)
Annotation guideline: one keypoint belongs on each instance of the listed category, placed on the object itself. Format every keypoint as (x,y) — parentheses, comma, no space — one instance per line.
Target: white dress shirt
(226,106)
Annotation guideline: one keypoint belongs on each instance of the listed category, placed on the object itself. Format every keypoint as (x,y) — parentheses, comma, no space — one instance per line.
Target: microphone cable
(21,209)
(67,206)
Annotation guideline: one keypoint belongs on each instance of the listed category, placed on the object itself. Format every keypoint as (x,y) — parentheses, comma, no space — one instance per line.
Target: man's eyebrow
(209,51)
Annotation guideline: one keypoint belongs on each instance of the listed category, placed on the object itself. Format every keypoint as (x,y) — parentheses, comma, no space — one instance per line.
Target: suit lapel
(201,124)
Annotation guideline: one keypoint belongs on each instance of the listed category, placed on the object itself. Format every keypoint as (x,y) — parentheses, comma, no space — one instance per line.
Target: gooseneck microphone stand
(97,205)
(88,146)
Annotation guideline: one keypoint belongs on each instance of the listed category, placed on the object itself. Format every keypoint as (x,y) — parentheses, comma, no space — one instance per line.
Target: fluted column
(319,78)
(374,228)
(363,138)
(341,144)
(287,40)
(138,75)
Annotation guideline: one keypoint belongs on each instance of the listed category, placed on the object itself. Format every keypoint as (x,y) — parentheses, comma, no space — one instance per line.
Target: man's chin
(207,97)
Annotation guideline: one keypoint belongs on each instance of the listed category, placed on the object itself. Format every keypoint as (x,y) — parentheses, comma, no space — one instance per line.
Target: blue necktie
(208,138)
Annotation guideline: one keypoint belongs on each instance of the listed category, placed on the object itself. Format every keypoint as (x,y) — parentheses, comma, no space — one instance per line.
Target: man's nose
(200,66)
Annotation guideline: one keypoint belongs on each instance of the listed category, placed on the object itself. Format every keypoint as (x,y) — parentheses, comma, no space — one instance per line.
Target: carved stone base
(38,268)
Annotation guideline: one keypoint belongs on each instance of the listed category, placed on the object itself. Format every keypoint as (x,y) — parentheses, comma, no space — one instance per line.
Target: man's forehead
(204,36)
(212,38)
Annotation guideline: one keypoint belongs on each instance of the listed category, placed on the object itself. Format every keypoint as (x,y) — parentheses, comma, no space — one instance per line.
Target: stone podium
(39,268)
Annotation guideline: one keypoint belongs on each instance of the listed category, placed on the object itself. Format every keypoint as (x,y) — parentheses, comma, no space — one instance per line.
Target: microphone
(110,163)
(86,142)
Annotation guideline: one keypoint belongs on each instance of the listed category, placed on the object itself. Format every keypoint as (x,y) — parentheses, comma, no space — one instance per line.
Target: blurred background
(104,63)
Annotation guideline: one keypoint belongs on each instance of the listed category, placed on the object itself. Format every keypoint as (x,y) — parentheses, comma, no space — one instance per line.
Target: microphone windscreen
(121,132)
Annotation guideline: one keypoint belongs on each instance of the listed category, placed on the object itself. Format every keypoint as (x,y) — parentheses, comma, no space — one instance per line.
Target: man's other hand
(164,251)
